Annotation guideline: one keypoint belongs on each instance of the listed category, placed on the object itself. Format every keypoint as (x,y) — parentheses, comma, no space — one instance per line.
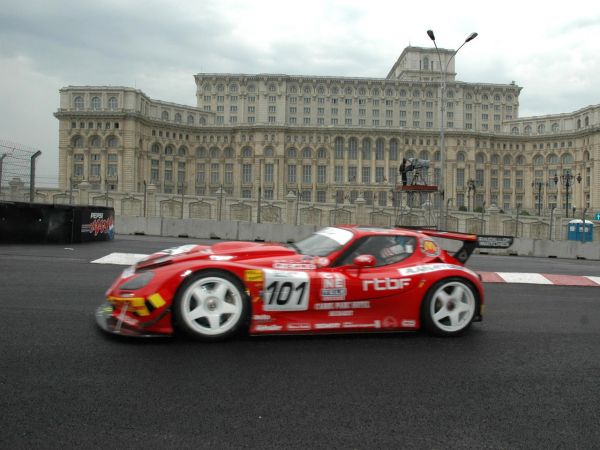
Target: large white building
(332,138)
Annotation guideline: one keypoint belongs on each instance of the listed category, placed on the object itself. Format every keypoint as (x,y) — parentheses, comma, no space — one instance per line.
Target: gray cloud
(158,46)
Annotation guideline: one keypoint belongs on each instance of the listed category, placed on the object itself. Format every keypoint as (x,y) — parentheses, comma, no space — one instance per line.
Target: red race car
(339,279)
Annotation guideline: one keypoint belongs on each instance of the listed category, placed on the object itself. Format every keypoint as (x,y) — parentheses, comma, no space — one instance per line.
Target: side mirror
(364,261)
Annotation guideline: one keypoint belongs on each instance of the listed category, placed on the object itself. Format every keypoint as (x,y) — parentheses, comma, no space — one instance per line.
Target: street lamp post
(182,184)
(567,178)
(259,183)
(539,185)
(517,221)
(443,70)
(482,218)
(220,193)
(4,155)
(551,221)
(32,176)
(145,197)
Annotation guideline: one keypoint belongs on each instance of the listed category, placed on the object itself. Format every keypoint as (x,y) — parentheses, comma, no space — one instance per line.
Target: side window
(385,249)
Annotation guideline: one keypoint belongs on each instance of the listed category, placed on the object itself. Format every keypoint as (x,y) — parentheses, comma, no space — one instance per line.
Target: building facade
(333,140)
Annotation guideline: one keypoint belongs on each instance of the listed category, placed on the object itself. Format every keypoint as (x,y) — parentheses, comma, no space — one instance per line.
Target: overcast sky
(550,49)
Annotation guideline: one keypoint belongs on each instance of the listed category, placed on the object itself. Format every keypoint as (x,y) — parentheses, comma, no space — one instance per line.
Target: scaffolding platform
(417,188)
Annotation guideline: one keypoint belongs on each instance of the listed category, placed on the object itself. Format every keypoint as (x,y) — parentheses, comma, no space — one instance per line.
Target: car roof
(367,230)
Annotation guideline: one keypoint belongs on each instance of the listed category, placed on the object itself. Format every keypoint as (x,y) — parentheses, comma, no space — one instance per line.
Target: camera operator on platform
(403,169)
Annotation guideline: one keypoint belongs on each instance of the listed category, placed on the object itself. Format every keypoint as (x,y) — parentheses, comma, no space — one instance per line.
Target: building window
(247,173)
(96,104)
(321,174)
(78,103)
(366,174)
(113,103)
(338,174)
(306,174)
(228,178)
(291,173)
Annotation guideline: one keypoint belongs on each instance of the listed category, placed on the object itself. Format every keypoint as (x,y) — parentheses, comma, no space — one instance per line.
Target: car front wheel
(211,306)
(449,307)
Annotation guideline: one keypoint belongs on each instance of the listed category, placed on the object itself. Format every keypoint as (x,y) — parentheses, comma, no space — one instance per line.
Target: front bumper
(116,325)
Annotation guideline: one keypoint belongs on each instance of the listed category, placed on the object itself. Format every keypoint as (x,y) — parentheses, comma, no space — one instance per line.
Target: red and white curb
(128,259)
(539,278)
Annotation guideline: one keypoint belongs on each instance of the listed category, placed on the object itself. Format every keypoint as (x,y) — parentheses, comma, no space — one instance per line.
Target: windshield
(324,242)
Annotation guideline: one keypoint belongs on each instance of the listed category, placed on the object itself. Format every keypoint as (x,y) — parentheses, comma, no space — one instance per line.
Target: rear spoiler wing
(470,241)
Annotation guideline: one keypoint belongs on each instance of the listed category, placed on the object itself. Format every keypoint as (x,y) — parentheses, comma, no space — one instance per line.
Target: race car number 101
(286,291)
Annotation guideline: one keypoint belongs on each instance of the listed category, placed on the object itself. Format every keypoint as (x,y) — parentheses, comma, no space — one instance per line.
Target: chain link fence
(15,165)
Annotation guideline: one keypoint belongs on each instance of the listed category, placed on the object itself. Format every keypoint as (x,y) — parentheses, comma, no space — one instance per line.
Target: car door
(379,293)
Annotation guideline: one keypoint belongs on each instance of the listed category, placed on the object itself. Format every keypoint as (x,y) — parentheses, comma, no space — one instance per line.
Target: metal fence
(16,162)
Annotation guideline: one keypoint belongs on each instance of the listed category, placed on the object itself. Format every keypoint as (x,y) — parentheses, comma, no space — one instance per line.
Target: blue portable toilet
(578,231)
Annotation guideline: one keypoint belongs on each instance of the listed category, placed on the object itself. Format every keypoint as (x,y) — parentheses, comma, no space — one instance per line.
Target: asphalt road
(526,377)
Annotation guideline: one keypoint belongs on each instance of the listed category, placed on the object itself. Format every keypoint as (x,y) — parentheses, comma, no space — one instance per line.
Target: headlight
(138,281)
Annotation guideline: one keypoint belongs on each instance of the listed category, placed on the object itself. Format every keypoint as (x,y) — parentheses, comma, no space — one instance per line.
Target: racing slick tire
(449,307)
(211,306)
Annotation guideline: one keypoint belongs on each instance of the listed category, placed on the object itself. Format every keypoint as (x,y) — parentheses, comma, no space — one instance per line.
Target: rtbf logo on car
(385,284)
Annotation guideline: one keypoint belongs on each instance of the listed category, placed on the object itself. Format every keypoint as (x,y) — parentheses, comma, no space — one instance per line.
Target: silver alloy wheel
(211,306)
(452,306)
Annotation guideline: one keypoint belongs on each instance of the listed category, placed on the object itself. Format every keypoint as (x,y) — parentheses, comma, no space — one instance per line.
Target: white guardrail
(275,232)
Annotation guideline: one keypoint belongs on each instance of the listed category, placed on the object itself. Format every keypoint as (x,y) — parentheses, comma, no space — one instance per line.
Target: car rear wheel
(449,307)
(211,306)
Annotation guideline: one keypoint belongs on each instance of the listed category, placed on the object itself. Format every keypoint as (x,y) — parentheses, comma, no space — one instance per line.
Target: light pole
(182,184)
(259,183)
(551,221)
(70,190)
(145,197)
(482,218)
(517,221)
(220,192)
(539,185)
(4,155)
(297,205)
(443,70)
(567,178)
(32,176)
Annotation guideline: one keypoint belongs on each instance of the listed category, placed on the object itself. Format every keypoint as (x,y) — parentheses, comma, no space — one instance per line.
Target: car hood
(261,254)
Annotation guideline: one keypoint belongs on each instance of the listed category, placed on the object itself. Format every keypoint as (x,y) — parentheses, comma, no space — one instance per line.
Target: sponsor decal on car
(333,287)
(385,284)
(426,268)
(253,275)
(409,323)
(390,322)
(375,324)
(430,248)
(268,327)
(343,305)
(327,326)
(341,313)
(298,326)
(261,317)
(285,291)
(293,265)
(220,257)
(322,261)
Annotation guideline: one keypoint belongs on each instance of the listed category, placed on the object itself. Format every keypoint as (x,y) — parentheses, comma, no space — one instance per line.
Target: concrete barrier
(247,231)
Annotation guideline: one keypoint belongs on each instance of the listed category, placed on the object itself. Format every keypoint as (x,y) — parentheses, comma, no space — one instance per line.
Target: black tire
(211,306)
(449,307)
